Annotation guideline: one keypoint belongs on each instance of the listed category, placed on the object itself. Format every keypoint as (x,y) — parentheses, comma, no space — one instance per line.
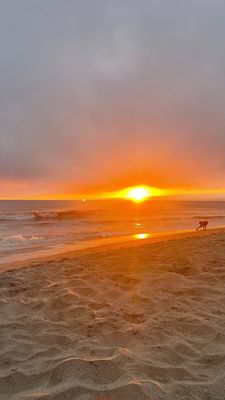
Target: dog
(202,225)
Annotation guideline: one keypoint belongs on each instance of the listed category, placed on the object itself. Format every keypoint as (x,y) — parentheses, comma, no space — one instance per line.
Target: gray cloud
(92,91)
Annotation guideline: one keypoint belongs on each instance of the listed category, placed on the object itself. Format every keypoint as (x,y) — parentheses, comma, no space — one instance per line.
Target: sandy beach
(123,323)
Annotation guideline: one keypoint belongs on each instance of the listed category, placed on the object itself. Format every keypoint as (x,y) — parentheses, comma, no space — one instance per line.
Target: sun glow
(137,194)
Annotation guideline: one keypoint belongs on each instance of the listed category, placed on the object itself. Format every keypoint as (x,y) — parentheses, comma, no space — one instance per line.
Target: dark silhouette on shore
(202,225)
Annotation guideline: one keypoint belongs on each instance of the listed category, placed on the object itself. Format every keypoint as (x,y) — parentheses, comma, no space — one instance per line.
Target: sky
(100,95)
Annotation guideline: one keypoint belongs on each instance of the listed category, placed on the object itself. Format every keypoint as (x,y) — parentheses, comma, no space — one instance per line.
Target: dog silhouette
(202,225)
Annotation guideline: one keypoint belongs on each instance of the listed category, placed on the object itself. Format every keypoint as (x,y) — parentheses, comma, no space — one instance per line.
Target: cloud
(103,93)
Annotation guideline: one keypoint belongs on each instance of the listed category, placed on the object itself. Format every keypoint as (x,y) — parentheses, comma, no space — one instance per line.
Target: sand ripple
(134,323)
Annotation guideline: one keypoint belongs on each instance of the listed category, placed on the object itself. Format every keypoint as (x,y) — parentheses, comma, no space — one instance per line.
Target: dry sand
(128,323)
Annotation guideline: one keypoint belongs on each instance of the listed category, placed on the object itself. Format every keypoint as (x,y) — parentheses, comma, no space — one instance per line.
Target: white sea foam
(37,215)
(13,240)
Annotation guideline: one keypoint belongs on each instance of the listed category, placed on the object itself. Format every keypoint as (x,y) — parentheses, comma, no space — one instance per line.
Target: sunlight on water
(31,228)
(142,235)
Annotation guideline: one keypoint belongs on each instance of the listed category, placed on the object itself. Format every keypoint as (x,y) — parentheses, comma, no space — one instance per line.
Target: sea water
(29,228)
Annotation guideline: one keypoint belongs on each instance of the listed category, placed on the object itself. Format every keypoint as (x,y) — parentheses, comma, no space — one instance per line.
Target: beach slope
(133,322)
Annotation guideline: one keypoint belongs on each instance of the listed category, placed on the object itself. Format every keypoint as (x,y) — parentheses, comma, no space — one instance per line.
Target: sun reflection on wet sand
(70,248)
(142,235)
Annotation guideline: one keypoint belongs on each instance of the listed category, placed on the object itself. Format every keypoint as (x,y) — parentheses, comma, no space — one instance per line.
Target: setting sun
(139,194)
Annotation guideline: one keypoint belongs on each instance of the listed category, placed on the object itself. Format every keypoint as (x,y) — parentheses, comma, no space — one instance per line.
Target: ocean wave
(16,239)
(209,217)
(68,214)
(16,217)
(41,215)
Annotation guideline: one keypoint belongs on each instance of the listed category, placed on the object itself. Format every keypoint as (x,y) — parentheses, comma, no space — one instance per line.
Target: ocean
(32,228)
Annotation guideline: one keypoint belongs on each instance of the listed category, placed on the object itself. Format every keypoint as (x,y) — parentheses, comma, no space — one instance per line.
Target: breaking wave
(41,215)
(57,214)
(12,240)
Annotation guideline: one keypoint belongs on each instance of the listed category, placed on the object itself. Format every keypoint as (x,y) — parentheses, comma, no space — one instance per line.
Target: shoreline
(107,245)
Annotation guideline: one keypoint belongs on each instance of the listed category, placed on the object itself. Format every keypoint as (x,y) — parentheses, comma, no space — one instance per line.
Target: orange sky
(31,190)
(114,94)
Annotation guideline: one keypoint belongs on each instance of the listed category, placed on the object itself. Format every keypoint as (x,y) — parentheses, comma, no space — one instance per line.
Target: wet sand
(143,321)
